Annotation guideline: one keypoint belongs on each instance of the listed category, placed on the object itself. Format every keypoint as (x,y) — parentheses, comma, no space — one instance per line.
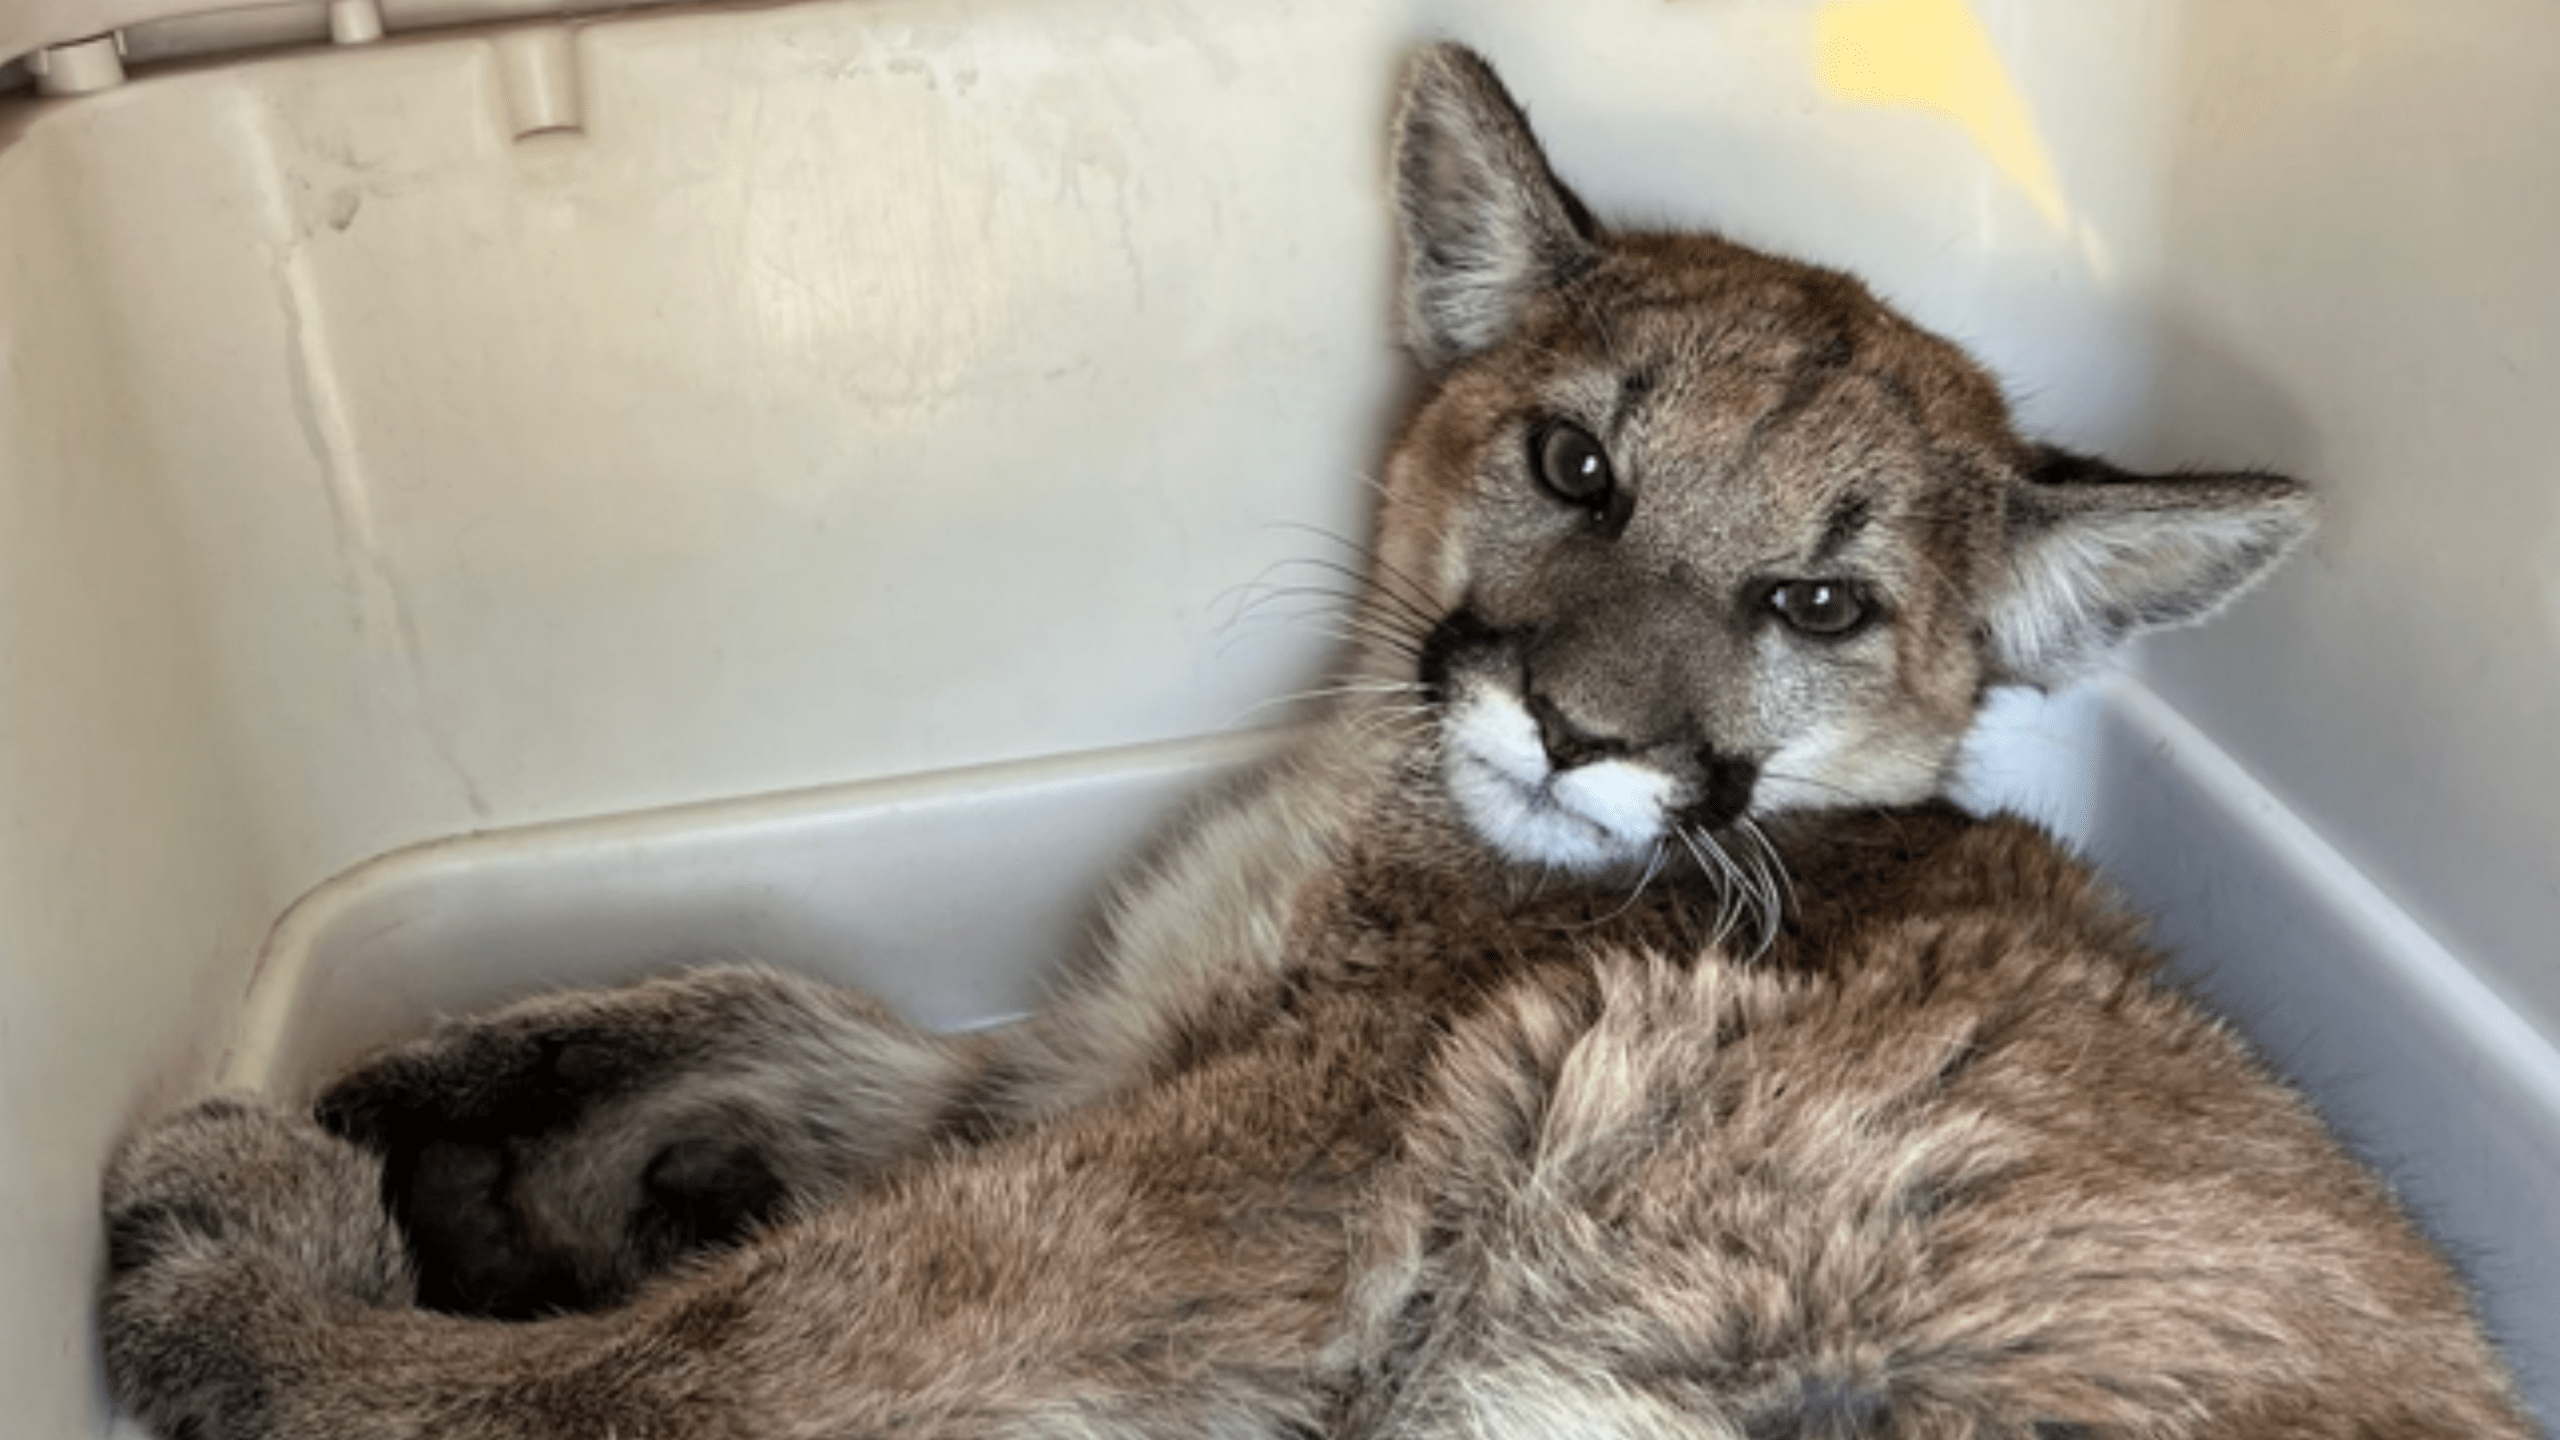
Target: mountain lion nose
(1568,744)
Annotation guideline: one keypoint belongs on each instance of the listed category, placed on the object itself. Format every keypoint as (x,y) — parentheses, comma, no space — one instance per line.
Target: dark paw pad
(451,1116)
(704,1193)
(469,1242)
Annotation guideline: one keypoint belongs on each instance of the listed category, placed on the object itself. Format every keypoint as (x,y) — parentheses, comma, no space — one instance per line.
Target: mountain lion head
(1687,536)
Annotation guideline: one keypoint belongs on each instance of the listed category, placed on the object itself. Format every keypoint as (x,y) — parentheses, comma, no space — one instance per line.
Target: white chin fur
(1588,818)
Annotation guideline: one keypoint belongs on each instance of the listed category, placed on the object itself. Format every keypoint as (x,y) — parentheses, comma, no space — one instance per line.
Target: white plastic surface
(905,388)
(947,895)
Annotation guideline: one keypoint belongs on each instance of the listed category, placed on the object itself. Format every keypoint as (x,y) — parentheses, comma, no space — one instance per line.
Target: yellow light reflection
(1934,55)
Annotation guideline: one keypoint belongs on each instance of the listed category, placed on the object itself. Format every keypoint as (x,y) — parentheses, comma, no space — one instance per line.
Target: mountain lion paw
(235,1175)
(227,1224)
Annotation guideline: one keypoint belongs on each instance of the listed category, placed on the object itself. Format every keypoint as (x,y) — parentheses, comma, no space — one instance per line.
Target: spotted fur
(1591,1027)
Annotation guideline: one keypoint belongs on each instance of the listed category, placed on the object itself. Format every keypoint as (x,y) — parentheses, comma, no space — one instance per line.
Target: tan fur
(1404,1098)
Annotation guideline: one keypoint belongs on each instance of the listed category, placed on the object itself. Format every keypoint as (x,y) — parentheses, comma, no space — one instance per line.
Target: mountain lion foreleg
(556,1154)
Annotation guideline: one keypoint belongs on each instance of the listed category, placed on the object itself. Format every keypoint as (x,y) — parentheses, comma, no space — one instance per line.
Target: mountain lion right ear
(1486,223)
(2098,555)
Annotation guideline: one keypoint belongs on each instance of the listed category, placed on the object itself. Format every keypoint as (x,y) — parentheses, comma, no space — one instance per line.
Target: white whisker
(1347,690)
(1719,872)
(1777,862)
(1765,897)
(1653,867)
(1371,585)
(1414,591)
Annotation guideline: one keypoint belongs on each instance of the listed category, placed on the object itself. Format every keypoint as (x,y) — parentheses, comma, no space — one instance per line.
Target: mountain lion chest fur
(1592,1025)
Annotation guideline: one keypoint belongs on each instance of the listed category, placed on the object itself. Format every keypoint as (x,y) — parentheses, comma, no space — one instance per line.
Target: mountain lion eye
(1826,608)
(1572,465)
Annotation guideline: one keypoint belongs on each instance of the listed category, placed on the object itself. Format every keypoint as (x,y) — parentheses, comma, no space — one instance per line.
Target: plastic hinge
(79,67)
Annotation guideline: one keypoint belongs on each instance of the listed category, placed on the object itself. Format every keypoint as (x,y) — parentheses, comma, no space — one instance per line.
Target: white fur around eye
(1586,818)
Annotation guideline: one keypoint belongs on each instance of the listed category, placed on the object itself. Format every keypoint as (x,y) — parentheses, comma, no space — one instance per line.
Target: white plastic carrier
(510,498)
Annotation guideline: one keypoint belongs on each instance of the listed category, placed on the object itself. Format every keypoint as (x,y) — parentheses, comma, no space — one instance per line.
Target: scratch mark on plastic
(315,414)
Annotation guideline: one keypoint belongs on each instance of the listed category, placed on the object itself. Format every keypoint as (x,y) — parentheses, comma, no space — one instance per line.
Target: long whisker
(1336,602)
(1413,590)
(1359,597)
(1385,495)
(1252,602)
(1385,718)
(1357,627)
(1339,627)
(1369,584)
(1719,874)
(1244,595)
(1854,799)
(1794,779)
(1653,867)
(1752,890)
(1777,862)
(1415,597)
(1262,588)
(1255,595)
(1747,894)
(1258,608)
(1384,628)
(1330,692)
(1766,892)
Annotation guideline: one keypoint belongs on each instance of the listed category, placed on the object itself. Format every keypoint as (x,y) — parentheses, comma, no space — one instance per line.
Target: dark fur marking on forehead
(1635,301)
(1848,518)
(1636,385)
(1906,402)
(1812,373)
(1826,312)
(1907,406)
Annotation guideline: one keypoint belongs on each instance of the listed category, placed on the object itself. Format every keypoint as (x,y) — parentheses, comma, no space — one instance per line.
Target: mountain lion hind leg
(1088,1277)
(556,1154)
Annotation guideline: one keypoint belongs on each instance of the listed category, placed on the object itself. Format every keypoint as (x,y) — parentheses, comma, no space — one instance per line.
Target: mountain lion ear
(2098,555)
(1486,223)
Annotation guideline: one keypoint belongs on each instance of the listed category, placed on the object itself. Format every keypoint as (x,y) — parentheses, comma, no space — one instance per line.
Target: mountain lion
(1593,1026)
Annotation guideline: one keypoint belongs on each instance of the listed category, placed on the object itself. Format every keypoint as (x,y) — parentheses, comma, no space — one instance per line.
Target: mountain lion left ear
(1486,223)
(2098,555)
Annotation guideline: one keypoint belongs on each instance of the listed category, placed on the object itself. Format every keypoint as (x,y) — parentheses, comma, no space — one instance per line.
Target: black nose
(1568,744)
(1724,791)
